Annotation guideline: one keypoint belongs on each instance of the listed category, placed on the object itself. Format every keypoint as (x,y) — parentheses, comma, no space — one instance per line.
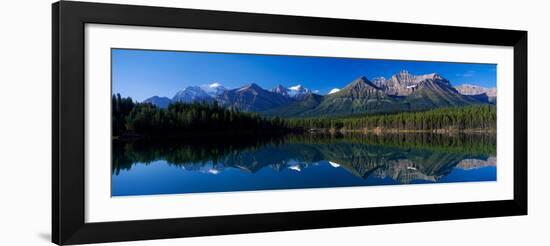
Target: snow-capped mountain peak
(333,91)
(214,89)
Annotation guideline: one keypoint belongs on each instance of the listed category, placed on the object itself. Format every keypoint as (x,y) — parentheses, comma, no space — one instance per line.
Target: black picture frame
(69,19)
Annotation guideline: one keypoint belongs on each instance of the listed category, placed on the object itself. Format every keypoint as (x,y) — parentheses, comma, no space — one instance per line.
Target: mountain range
(478,91)
(401,92)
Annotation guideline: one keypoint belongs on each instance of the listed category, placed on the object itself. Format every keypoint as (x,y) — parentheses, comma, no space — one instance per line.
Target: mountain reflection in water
(218,164)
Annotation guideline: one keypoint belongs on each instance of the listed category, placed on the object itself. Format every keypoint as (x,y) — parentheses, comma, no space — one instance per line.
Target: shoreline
(396,131)
(260,134)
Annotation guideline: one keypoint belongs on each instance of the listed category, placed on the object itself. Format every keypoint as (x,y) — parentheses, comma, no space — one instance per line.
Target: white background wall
(25,96)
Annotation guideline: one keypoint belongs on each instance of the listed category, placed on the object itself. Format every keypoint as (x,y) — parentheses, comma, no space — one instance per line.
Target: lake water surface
(246,163)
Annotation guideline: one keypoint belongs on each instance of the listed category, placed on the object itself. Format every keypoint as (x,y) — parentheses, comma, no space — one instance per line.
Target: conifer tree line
(129,117)
(482,117)
(184,118)
(120,109)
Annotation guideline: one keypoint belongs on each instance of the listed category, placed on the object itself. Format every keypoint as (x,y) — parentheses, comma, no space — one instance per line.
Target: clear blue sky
(141,74)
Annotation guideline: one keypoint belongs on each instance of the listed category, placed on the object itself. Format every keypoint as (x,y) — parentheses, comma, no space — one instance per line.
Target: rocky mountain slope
(360,96)
(437,92)
(404,83)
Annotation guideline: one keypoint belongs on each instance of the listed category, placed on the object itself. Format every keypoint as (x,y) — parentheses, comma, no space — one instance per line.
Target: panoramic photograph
(195,122)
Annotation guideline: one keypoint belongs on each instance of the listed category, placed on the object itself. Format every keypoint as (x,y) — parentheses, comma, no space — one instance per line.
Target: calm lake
(241,163)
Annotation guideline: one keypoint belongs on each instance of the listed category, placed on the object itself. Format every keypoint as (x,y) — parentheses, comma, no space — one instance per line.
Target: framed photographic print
(175,122)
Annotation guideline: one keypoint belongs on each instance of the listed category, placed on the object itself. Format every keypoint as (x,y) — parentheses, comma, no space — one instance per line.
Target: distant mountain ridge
(401,92)
(468,89)
(192,94)
(478,91)
(161,102)
(252,97)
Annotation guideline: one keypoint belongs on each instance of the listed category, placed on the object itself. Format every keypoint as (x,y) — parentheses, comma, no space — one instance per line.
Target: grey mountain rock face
(467,89)
(435,93)
(404,83)
(480,92)
(192,94)
(281,90)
